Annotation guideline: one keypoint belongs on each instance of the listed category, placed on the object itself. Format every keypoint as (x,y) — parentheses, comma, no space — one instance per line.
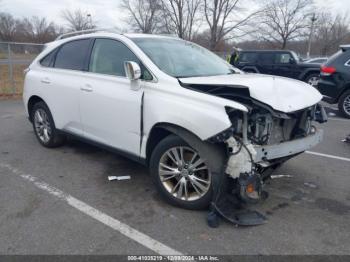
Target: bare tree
(331,32)
(78,20)
(225,18)
(284,20)
(180,16)
(8,26)
(143,14)
(38,30)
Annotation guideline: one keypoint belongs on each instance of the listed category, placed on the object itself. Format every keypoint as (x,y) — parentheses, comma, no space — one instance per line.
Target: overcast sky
(107,12)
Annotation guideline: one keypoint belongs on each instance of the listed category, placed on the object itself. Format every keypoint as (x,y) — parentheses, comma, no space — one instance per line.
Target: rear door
(110,108)
(265,63)
(61,79)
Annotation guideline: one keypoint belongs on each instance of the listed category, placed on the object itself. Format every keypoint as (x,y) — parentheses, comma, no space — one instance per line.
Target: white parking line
(329,156)
(109,221)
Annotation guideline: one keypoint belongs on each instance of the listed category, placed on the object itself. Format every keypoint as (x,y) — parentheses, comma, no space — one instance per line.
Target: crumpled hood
(282,94)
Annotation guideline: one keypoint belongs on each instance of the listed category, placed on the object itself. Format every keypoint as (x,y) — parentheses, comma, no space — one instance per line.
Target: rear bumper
(289,148)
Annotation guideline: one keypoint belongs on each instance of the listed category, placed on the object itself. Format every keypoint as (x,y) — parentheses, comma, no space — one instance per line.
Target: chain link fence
(14,58)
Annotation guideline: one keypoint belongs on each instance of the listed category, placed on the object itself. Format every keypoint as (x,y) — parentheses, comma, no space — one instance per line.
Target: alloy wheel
(346,105)
(313,81)
(184,174)
(42,125)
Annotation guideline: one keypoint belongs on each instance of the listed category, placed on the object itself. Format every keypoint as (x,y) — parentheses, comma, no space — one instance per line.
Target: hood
(282,94)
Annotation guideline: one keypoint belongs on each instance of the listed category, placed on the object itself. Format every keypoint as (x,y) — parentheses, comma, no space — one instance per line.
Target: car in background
(317,60)
(334,81)
(280,63)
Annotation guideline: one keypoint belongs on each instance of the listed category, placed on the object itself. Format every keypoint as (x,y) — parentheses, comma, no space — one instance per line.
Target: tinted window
(247,57)
(72,55)
(266,58)
(48,59)
(283,58)
(108,57)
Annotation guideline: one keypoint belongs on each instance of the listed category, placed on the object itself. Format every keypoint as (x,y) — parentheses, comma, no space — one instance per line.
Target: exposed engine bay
(262,139)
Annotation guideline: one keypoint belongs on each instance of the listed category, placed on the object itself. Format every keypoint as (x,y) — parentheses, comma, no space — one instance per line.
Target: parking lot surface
(308,213)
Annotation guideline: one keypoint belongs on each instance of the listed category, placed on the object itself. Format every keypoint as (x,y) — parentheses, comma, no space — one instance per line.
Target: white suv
(173,106)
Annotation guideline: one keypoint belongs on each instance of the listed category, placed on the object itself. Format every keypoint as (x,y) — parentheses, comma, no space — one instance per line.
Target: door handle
(86,88)
(45,80)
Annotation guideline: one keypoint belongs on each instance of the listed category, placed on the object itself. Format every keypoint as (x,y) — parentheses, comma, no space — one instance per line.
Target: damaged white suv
(174,106)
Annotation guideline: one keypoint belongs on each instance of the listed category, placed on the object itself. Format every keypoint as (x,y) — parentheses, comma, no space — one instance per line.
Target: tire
(344,104)
(184,174)
(44,126)
(313,79)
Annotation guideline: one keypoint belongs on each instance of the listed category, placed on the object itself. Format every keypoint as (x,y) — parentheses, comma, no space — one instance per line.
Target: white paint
(329,156)
(94,213)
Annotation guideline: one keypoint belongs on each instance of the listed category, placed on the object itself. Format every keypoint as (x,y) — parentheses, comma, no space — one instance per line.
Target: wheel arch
(161,130)
(31,102)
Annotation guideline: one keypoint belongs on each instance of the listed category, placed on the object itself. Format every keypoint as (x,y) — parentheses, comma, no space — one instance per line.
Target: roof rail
(88,31)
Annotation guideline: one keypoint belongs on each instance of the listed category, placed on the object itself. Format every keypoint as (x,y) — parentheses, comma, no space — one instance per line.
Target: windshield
(180,58)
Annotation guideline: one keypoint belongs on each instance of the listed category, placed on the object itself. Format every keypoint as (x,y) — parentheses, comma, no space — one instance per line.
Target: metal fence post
(10,64)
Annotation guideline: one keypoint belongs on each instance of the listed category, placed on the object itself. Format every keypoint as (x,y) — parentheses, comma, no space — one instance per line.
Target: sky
(107,12)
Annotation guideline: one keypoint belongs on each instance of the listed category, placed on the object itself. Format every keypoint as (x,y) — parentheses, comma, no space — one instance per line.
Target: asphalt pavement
(59,201)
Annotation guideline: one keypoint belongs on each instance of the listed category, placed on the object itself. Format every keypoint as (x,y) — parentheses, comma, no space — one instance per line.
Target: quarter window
(108,57)
(73,55)
(47,61)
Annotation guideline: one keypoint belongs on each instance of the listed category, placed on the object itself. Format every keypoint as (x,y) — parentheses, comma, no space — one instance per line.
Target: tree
(224,18)
(284,20)
(8,26)
(143,14)
(331,32)
(180,16)
(78,20)
(38,30)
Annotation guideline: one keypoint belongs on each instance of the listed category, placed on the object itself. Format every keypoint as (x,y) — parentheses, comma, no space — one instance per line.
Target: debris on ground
(311,185)
(119,178)
(280,176)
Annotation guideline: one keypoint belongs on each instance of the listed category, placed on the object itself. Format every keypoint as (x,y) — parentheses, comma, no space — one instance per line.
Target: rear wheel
(44,126)
(181,174)
(344,104)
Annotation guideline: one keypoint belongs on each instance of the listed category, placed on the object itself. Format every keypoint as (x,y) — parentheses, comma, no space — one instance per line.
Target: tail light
(327,70)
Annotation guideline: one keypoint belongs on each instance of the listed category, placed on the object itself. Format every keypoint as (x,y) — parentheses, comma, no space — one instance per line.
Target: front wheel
(313,79)
(344,104)
(181,174)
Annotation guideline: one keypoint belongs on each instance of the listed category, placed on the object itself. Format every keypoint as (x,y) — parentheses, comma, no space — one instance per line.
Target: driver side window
(108,57)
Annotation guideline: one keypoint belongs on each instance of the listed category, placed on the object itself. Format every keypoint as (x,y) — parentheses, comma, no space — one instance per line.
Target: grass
(7,87)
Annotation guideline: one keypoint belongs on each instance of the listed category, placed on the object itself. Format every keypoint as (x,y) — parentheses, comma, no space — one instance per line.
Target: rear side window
(266,58)
(108,57)
(73,55)
(247,57)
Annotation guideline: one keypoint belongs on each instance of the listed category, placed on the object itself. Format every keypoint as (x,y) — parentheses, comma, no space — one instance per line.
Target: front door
(110,108)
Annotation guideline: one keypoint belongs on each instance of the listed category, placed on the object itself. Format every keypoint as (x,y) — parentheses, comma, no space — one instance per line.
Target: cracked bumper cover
(271,152)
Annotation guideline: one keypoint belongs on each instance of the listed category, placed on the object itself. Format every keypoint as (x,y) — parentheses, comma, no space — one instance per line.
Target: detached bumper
(271,152)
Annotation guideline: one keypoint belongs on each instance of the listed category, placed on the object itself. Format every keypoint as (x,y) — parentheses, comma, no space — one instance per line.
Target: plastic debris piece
(111,178)
(280,176)
(311,185)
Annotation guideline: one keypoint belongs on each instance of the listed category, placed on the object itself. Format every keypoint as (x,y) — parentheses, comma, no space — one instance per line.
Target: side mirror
(132,70)
(292,61)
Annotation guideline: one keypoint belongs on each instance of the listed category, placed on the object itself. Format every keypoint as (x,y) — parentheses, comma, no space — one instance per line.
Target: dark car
(279,63)
(334,81)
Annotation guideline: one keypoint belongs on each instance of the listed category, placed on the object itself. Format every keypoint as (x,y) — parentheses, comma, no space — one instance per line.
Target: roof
(345,47)
(265,51)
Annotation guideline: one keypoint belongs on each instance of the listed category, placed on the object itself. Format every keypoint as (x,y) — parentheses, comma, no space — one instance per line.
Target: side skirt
(113,150)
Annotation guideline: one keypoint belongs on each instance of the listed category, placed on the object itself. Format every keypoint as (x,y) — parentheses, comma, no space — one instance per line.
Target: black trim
(88,57)
(141,120)
(121,152)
